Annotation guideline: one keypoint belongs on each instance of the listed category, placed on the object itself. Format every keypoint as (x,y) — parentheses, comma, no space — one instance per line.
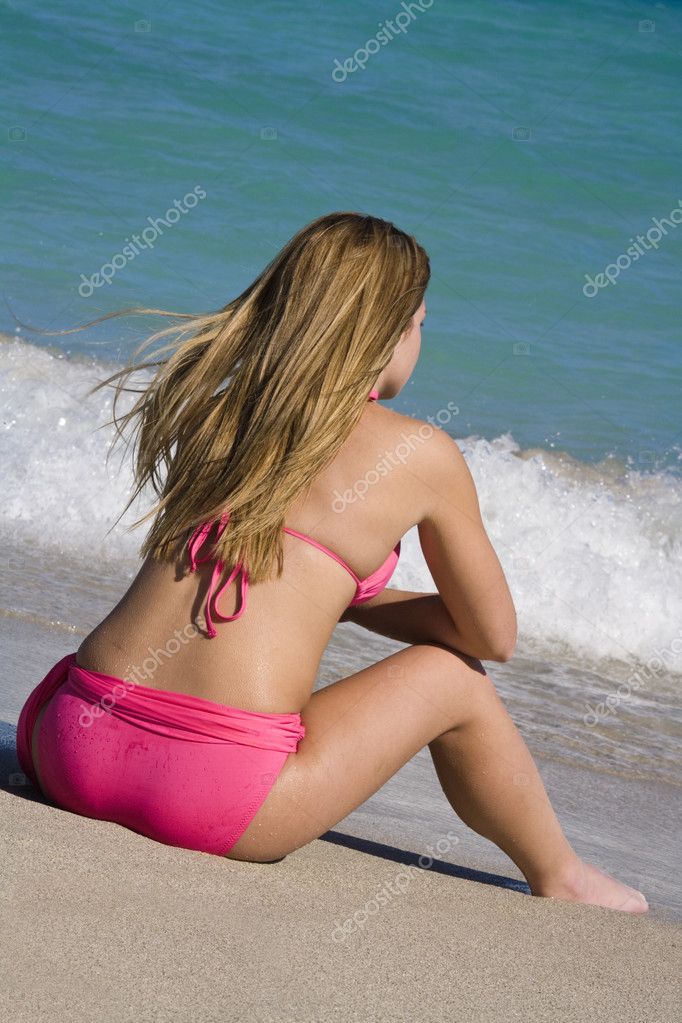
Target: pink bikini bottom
(179,769)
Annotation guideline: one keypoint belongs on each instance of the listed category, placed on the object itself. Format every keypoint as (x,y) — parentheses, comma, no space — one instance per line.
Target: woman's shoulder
(429,437)
(397,460)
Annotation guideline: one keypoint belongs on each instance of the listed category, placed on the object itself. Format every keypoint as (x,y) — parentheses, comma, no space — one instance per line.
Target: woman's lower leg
(492,783)
(490,779)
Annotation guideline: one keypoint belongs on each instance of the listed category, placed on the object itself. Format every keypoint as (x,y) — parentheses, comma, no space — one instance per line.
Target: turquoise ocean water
(532,148)
(523,144)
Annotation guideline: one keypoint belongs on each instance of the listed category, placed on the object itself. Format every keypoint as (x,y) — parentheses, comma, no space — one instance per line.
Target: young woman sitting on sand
(255,434)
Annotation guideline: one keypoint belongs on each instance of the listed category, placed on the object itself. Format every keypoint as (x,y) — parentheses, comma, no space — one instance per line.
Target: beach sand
(101,922)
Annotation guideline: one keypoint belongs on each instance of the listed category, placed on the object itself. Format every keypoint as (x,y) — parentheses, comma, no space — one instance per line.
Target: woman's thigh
(359,732)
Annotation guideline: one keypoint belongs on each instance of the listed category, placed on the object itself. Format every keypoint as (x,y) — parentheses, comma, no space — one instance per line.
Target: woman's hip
(179,770)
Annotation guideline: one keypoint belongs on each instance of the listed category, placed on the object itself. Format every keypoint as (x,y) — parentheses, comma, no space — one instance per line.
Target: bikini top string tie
(196,541)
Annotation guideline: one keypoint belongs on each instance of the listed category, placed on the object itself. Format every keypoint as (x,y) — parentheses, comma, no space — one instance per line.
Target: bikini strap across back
(365,588)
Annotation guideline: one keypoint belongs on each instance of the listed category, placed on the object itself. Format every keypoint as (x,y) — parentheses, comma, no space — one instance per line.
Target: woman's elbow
(504,651)
(503,654)
(503,645)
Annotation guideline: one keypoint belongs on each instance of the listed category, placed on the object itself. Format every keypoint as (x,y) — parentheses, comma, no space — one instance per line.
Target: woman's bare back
(268,658)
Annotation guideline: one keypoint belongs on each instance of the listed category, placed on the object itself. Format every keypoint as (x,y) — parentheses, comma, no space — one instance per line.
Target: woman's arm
(408,617)
(459,555)
(472,610)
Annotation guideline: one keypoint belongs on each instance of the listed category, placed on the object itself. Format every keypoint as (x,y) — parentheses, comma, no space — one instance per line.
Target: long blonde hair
(257,398)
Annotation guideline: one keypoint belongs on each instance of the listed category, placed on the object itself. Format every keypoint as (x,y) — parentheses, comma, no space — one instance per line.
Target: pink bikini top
(365,588)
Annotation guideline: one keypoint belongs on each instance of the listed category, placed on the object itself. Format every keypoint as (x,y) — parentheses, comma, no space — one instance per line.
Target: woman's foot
(584,882)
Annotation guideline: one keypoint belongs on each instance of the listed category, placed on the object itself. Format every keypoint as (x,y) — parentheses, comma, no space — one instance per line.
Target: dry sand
(102,923)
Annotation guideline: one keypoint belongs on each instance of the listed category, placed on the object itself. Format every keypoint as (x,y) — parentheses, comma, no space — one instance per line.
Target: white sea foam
(592,555)
(593,558)
(57,490)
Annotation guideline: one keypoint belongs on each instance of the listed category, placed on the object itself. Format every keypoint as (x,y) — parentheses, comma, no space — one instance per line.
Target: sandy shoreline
(98,920)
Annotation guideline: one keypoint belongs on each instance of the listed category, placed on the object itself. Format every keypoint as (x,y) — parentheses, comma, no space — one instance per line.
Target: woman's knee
(454,681)
(447,659)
